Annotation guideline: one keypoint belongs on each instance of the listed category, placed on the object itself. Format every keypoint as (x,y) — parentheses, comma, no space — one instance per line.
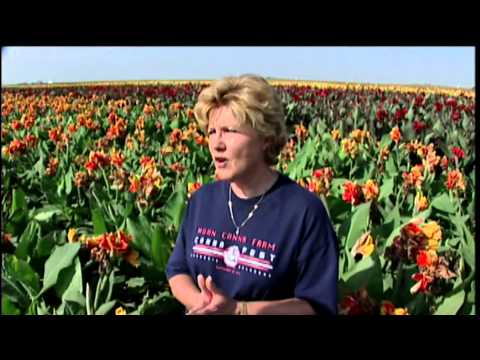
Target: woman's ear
(267,141)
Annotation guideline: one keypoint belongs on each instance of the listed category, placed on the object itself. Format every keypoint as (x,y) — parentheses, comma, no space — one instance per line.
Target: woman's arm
(291,306)
(185,290)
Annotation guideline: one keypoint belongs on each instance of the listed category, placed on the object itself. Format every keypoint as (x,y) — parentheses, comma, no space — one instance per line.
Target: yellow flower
(370,190)
(364,246)
(120,311)
(433,232)
(335,134)
(421,202)
(72,235)
(401,311)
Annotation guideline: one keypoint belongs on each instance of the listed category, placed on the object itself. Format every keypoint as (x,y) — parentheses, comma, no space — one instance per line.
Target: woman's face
(237,150)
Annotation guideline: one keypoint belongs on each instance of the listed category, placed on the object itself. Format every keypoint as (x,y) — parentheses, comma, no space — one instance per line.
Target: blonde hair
(253,101)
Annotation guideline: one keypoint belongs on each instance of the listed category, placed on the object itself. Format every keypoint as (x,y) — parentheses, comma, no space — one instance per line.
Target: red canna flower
(451,102)
(381,114)
(456,116)
(438,106)
(400,114)
(423,282)
(16,125)
(455,180)
(418,126)
(352,193)
(459,153)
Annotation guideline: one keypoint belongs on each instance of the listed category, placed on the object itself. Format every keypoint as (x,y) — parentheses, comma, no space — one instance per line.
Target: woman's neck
(255,184)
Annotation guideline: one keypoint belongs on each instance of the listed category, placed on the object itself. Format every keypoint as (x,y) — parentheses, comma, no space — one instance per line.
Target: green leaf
(18,200)
(61,258)
(359,223)
(27,241)
(336,187)
(442,202)
(99,226)
(452,303)
(68,181)
(8,307)
(160,248)
(105,308)
(46,213)
(410,115)
(390,167)
(367,273)
(135,282)
(386,189)
(140,240)
(19,280)
(69,282)
(175,206)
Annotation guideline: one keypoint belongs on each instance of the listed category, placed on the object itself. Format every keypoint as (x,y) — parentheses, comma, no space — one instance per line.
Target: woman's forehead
(222,116)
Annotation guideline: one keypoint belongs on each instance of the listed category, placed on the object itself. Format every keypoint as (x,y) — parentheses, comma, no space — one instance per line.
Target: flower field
(95,179)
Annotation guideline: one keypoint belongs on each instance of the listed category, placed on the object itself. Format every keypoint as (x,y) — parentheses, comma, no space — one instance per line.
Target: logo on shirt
(231,256)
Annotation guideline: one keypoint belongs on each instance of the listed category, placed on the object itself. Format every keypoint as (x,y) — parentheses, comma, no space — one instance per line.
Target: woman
(253,242)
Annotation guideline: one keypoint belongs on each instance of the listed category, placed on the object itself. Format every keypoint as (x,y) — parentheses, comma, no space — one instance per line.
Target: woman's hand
(212,301)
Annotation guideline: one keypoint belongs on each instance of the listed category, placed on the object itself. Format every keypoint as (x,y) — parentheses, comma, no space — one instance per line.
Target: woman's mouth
(220,162)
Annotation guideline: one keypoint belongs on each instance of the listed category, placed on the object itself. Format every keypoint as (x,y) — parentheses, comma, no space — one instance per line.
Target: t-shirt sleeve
(177,263)
(317,263)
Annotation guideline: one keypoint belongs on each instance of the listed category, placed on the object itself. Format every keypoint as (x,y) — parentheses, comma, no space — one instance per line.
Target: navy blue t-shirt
(287,249)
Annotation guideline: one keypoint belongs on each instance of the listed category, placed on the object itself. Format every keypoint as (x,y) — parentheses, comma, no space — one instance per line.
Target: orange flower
(80,179)
(175,107)
(177,167)
(444,163)
(301,131)
(414,178)
(117,158)
(455,180)
(192,187)
(349,147)
(134,184)
(148,109)
(175,136)
(147,162)
(31,140)
(370,190)
(115,242)
(52,167)
(359,135)
(395,134)
(72,128)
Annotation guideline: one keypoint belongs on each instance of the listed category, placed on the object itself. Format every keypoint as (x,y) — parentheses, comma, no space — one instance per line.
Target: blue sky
(444,66)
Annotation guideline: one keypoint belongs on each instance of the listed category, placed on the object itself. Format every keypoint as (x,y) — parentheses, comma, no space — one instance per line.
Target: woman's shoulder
(208,191)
